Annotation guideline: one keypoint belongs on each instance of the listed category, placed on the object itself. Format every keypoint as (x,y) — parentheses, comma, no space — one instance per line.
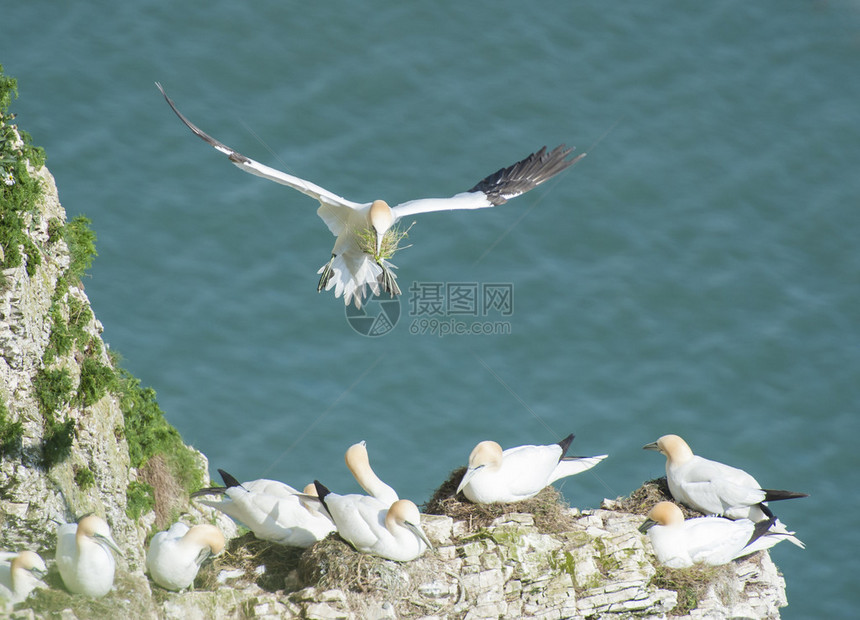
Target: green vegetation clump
(84,478)
(140,499)
(366,239)
(11,432)
(19,192)
(53,388)
(58,440)
(148,434)
(82,245)
(96,380)
(177,470)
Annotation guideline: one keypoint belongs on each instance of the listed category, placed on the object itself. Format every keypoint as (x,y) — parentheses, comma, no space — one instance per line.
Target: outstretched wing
(500,186)
(249,165)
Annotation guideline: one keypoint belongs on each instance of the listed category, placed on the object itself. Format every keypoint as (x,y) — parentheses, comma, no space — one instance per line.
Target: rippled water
(697,273)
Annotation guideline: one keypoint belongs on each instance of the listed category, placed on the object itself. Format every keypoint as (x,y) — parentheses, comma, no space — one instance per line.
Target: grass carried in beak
(366,238)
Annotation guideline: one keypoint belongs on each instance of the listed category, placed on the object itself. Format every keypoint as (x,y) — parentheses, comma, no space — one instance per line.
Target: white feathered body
(707,540)
(523,473)
(15,589)
(715,488)
(361,521)
(173,562)
(274,512)
(86,566)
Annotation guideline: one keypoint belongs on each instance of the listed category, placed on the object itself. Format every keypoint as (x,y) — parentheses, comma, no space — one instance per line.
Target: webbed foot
(327,274)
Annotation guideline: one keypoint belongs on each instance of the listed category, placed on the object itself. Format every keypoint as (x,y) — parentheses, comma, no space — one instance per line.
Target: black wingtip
(322,492)
(526,174)
(565,444)
(773,495)
(229,481)
(209,491)
(761,528)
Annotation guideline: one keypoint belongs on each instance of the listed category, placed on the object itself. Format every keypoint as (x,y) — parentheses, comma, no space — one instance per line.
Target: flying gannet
(367,235)
(496,476)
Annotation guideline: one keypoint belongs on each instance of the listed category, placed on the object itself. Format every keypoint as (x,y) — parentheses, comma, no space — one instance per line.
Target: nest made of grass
(248,553)
(652,492)
(333,563)
(551,513)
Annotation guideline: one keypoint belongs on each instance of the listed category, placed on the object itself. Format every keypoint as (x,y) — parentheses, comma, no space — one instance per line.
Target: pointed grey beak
(651,446)
(470,473)
(647,525)
(419,533)
(109,542)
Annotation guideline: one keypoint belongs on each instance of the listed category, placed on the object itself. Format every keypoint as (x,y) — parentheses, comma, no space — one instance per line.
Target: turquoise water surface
(696,274)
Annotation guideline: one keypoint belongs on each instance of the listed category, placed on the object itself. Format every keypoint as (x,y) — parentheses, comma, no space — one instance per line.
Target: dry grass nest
(247,553)
(652,492)
(333,563)
(551,513)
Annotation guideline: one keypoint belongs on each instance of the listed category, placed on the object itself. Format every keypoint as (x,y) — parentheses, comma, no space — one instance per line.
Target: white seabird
(20,573)
(272,510)
(366,237)
(358,463)
(175,555)
(704,540)
(714,488)
(84,556)
(496,476)
(391,532)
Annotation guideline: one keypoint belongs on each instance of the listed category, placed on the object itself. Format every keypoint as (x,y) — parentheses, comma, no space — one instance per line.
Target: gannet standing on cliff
(366,232)
(84,556)
(20,574)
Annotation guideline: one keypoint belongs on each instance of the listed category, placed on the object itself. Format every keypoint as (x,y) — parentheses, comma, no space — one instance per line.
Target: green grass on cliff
(73,340)
(19,192)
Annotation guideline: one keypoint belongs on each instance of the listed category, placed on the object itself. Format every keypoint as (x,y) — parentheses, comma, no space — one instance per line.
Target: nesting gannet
(84,556)
(20,574)
(519,473)
(371,526)
(704,540)
(366,233)
(274,511)
(175,555)
(359,464)
(711,487)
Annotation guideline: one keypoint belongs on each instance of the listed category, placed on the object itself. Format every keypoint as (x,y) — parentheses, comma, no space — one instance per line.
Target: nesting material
(366,239)
(652,492)
(333,563)
(267,564)
(551,513)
